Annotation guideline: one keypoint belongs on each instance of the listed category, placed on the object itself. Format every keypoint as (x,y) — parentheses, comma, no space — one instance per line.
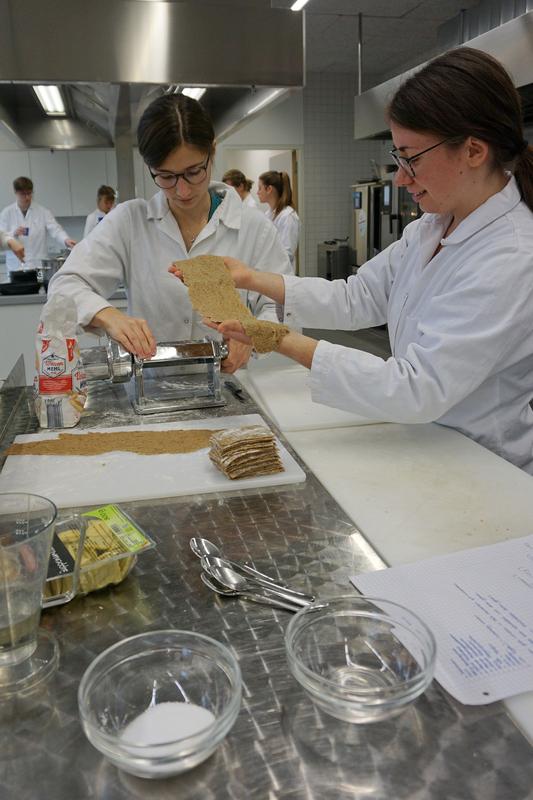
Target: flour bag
(60,384)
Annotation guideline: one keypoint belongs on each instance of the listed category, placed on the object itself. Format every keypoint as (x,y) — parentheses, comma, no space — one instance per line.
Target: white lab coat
(137,242)
(40,222)
(250,201)
(460,327)
(287,224)
(92,221)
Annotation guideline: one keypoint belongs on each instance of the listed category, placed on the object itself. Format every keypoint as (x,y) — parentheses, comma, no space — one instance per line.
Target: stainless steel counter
(280,746)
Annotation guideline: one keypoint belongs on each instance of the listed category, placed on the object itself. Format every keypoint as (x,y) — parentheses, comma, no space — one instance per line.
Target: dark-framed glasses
(192,175)
(406,163)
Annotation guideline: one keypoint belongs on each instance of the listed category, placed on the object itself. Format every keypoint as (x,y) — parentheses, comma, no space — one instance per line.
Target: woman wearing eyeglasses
(456,290)
(136,242)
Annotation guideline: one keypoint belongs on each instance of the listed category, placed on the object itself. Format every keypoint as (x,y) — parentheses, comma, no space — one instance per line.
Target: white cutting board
(120,476)
(285,395)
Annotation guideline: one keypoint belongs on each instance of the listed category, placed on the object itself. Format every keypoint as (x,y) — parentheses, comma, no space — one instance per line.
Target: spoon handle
(264,580)
(269,601)
(283,594)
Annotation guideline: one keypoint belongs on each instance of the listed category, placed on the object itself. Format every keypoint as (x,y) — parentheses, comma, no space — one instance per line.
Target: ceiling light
(298,5)
(195,93)
(50,99)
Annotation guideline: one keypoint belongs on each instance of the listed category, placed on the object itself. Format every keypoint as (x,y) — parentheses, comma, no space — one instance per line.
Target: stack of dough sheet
(245,452)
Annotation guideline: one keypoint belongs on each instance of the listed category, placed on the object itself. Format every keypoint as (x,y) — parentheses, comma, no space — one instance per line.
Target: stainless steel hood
(511,43)
(93,48)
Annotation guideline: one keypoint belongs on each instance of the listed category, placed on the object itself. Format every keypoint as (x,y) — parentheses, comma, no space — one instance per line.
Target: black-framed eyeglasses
(406,162)
(192,175)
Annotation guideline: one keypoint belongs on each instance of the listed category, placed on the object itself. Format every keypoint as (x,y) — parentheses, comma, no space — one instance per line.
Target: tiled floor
(372,340)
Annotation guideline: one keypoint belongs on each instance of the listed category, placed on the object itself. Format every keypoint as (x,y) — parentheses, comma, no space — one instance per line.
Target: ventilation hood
(511,43)
(93,50)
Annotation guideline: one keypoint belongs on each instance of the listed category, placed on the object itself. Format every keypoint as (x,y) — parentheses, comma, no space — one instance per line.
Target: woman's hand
(241,274)
(132,333)
(239,354)
(240,345)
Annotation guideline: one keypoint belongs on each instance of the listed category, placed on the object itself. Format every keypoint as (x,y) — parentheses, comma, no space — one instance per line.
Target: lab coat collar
(229,211)
(496,206)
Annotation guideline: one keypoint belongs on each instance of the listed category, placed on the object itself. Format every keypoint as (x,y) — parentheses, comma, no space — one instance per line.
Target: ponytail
(523,173)
(282,184)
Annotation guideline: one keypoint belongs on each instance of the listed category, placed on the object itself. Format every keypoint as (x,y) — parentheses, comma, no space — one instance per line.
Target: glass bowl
(159,703)
(360,659)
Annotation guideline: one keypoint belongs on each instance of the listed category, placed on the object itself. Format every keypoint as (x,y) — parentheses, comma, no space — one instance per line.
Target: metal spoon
(257,578)
(220,589)
(204,548)
(219,569)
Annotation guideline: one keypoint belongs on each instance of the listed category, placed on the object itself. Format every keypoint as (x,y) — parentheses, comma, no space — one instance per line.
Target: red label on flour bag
(60,384)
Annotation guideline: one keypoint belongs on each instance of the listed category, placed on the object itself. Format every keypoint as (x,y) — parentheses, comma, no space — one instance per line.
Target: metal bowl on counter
(49,267)
(159,703)
(360,659)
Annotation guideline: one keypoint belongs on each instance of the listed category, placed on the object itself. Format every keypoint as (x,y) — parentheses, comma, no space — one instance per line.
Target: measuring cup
(28,654)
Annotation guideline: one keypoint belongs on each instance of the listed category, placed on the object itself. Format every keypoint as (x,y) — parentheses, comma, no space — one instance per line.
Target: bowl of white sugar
(160,703)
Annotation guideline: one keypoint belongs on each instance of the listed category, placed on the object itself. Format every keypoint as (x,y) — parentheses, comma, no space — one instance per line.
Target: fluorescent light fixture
(298,5)
(50,99)
(195,93)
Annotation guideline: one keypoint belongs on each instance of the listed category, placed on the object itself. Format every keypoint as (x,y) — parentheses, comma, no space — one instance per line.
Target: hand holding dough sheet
(213,294)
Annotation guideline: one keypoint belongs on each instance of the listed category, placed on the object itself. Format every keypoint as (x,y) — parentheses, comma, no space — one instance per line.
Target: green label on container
(131,537)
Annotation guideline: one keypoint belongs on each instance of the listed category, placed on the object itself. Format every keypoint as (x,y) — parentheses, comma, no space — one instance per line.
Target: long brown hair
(282,184)
(466,92)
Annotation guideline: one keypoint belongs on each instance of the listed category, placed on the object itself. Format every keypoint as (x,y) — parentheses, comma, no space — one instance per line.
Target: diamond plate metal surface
(280,746)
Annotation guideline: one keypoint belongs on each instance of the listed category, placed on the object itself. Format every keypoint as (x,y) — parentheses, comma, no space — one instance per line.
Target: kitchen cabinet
(13,164)
(49,171)
(87,171)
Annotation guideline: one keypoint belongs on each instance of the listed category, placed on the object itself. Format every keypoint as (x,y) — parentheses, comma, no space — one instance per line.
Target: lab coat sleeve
(6,223)
(96,266)
(458,339)
(359,302)
(268,255)
(4,239)
(54,229)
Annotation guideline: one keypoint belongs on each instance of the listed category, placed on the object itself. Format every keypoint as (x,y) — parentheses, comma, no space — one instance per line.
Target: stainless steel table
(280,746)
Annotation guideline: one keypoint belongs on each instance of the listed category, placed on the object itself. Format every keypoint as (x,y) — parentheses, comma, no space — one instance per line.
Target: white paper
(479,605)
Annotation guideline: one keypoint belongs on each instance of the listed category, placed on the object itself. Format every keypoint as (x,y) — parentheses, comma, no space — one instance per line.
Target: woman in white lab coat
(274,188)
(456,290)
(241,184)
(189,216)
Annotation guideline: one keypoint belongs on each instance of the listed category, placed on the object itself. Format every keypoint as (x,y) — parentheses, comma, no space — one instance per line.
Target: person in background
(105,200)
(241,184)
(32,223)
(8,242)
(274,188)
(456,290)
(189,216)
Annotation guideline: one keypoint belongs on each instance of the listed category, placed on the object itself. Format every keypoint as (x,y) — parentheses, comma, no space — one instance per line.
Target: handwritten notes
(479,605)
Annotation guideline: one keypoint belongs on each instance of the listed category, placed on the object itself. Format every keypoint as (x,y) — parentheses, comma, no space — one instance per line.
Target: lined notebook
(479,605)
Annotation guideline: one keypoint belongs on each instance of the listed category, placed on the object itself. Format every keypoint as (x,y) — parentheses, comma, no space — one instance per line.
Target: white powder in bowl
(164,723)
